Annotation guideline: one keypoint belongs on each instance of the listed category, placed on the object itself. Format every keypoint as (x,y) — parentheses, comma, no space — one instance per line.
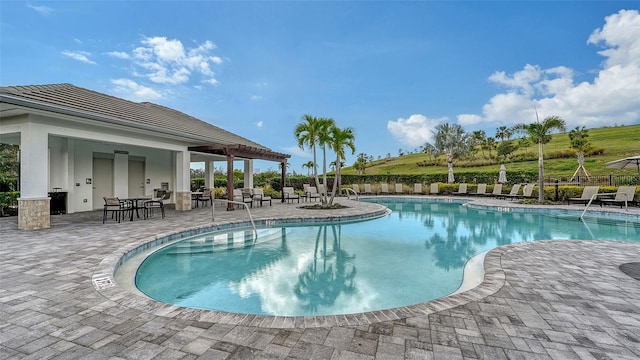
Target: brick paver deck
(540,300)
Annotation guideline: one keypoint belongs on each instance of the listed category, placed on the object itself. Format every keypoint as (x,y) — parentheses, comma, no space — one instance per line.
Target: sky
(390,70)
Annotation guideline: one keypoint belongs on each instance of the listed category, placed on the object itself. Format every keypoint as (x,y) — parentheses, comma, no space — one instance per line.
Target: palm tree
(307,134)
(339,140)
(452,141)
(503,133)
(361,163)
(477,138)
(309,165)
(579,142)
(540,133)
(324,139)
(490,144)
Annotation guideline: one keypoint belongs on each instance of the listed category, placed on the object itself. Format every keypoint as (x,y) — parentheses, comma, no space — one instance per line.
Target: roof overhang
(243,151)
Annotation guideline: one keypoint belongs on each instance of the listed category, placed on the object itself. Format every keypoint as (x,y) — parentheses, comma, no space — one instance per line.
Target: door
(102,181)
(136,178)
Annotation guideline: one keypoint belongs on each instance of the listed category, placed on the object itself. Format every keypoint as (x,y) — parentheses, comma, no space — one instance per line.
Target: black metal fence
(602,180)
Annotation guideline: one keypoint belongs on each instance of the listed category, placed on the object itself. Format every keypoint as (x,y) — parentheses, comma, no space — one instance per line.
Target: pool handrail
(255,231)
(347,190)
(594,196)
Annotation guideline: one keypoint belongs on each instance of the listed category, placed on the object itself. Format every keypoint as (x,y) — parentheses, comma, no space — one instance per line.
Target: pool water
(414,255)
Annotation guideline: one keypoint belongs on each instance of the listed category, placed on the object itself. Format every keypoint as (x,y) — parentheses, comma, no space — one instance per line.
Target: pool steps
(225,242)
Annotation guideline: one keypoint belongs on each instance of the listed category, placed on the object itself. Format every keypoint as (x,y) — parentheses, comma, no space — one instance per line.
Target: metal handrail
(594,196)
(347,190)
(255,231)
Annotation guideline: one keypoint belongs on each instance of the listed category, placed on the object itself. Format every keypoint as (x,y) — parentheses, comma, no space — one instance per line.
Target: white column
(248,174)
(34,162)
(209,173)
(121,175)
(183,171)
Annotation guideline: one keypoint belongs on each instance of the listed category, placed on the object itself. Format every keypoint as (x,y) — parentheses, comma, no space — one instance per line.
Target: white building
(89,145)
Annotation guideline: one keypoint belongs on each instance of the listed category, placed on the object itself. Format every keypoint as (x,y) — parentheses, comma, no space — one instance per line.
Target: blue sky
(391,70)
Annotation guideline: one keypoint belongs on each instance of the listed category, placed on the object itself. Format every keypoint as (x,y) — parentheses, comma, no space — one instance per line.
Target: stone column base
(34,214)
(183,200)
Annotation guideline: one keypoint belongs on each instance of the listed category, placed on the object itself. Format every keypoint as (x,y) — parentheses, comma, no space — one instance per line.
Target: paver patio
(540,300)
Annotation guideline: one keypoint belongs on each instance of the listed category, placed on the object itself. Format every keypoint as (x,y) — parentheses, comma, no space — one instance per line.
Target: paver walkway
(541,300)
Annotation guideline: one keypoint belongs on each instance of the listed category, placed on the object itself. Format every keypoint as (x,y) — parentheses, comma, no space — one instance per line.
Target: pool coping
(494,279)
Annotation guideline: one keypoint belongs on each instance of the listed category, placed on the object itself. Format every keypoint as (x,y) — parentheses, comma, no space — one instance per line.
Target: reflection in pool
(414,255)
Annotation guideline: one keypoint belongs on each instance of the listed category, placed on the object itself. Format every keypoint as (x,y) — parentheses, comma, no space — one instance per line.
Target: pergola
(245,152)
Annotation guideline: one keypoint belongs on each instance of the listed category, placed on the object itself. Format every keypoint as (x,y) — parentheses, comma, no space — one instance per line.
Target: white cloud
(81,56)
(167,61)
(41,9)
(259,123)
(414,131)
(119,54)
(612,96)
(296,151)
(256,97)
(131,90)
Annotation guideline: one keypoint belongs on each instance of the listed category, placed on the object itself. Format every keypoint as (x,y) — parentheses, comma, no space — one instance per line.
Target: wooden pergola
(244,152)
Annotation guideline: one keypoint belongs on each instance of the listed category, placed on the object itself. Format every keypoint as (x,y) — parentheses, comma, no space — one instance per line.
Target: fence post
(610,180)
(556,190)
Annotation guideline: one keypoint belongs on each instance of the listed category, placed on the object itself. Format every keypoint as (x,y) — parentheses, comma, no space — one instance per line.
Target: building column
(209,174)
(183,181)
(248,174)
(34,202)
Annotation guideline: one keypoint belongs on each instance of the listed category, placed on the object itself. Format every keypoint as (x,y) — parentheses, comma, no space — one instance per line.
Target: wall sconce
(88,180)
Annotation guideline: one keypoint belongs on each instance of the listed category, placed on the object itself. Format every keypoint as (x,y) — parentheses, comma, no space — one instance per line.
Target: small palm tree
(339,140)
(478,137)
(309,165)
(579,142)
(540,133)
(452,141)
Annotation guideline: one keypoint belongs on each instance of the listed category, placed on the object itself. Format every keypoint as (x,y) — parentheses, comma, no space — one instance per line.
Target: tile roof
(145,114)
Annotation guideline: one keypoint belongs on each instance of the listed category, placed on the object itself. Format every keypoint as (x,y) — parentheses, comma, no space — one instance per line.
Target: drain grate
(103,282)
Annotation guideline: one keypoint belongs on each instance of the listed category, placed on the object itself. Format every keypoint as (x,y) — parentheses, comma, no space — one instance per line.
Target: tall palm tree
(339,140)
(324,139)
(307,133)
(540,133)
(477,138)
(503,133)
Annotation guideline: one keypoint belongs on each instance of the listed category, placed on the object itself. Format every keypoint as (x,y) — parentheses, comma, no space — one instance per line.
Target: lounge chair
(322,190)
(259,197)
(625,194)
(241,196)
(384,189)
(462,190)
(399,190)
(514,193)
(433,189)
(367,189)
(417,188)
(587,194)
(497,191)
(527,192)
(312,193)
(288,194)
(481,190)
(356,188)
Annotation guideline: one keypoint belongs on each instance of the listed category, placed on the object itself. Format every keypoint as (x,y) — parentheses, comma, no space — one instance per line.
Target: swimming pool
(414,255)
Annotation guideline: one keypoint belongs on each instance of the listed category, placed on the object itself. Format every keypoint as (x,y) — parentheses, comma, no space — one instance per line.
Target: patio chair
(367,189)
(156,203)
(527,192)
(624,194)
(480,191)
(322,190)
(243,197)
(288,194)
(259,197)
(587,194)
(312,193)
(205,197)
(417,189)
(462,190)
(384,189)
(116,207)
(434,189)
(497,191)
(399,189)
(514,193)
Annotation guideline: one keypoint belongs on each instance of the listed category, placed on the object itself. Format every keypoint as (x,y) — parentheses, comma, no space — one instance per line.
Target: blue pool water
(414,255)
